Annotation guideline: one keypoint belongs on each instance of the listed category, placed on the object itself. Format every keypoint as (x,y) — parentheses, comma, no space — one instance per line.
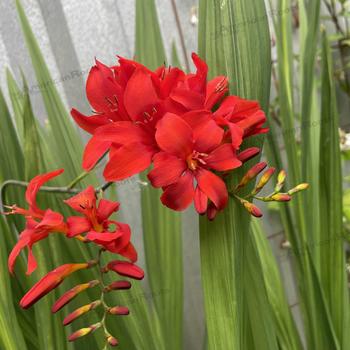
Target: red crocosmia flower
(49,282)
(36,231)
(112,235)
(39,223)
(243,118)
(190,148)
(194,92)
(31,193)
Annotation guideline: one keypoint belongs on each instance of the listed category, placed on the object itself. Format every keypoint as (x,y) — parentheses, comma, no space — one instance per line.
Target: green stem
(78,179)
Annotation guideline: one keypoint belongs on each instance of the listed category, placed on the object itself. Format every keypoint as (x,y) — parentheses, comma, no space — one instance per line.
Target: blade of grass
(226,42)
(333,271)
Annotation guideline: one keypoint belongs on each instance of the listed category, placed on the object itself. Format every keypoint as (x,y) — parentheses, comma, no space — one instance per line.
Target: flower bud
(300,187)
(118,310)
(281,178)
(84,331)
(112,341)
(251,174)
(281,197)
(49,282)
(118,285)
(125,268)
(252,209)
(80,311)
(265,178)
(248,154)
(71,294)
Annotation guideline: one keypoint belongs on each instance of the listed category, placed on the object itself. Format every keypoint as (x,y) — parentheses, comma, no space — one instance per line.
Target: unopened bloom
(49,282)
(112,235)
(126,269)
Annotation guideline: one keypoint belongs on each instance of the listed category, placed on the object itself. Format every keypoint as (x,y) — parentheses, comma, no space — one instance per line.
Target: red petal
(106,208)
(77,225)
(128,160)
(198,81)
(216,89)
(236,134)
(200,201)
(223,158)
(103,237)
(89,124)
(167,169)
(118,133)
(191,100)
(83,201)
(32,264)
(213,186)
(174,136)
(179,195)
(34,186)
(207,136)
(127,269)
(170,81)
(139,94)
(129,252)
(15,252)
(102,88)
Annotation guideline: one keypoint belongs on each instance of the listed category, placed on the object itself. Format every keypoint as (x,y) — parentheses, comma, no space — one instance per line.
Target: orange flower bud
(49,282)
(84,331)
(118,310)
(265,178)
(80,311)
(71,294)
(112,341)
(251,174)
(300,187)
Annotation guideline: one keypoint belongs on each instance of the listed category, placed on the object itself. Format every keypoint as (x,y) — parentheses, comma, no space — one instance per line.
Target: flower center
(196,159)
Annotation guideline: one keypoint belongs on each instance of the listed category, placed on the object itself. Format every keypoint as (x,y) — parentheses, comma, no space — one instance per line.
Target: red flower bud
(248,154)
(80,311)
(71,294)
(252,209)
(118,285)
(112,341)
(49,282)
(119,310)
(127,269)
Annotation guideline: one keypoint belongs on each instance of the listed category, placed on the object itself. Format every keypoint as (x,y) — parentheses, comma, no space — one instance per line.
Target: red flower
(129,100)
(49,282)
(190,147)
(97,225)
(39,223)
(243,118)
(36,231)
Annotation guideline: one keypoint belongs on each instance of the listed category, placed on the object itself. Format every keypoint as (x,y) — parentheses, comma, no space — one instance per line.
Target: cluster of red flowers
(93,225)
(183,124)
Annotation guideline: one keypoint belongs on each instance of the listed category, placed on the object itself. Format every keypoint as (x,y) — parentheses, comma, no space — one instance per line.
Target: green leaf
(227,41)
(333,272)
